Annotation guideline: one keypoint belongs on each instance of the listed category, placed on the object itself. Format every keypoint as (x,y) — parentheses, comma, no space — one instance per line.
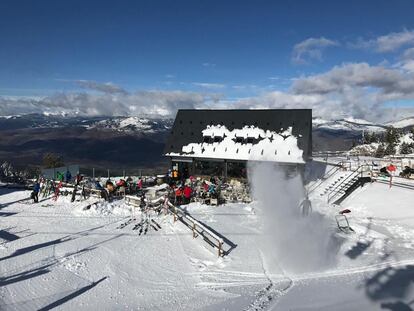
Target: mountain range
(134,143)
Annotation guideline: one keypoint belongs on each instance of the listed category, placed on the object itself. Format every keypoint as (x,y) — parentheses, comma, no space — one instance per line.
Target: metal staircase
(349,184)
(325,177)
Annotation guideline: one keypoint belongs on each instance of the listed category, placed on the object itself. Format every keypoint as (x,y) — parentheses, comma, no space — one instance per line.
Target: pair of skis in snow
(143,226)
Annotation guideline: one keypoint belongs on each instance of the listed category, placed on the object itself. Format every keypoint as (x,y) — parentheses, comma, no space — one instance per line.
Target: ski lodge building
(220,142)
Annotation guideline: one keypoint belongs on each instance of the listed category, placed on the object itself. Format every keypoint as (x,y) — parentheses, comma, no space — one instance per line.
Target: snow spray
(290,242)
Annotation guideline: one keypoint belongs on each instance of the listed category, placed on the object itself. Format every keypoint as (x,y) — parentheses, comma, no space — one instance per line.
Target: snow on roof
(249,132)
(272,146)
(215,131)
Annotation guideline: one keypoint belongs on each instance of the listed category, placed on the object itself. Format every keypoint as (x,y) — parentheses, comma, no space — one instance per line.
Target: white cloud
(107,87)
(209,85)
(408,54)
(311,49)
(357,75)
(386,43)
(206,64)
(155,103)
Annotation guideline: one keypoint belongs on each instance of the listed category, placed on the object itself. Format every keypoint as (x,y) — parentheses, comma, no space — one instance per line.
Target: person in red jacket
(187,194)
(178,195)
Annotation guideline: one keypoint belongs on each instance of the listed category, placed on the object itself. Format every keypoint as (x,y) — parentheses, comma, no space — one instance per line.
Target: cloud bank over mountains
(355,89)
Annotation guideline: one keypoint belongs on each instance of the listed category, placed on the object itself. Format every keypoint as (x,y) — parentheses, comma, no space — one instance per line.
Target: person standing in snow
(306,206)
(78,178)
(187,194)
(68,176)
(35,193)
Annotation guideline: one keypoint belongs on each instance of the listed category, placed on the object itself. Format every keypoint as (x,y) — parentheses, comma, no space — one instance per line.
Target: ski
(154,227)
(74,194)
(146,227)
(139,226)
(123,225)
(156,223)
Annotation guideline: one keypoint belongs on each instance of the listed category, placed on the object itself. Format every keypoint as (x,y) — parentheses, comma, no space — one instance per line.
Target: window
(236,169)
(239,140)
(209,168)
(207,139)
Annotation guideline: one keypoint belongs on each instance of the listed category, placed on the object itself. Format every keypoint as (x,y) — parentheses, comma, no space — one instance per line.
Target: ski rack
(94,192)
(198,229)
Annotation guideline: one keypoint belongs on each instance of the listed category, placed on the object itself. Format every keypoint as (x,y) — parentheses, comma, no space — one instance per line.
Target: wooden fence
(198,229)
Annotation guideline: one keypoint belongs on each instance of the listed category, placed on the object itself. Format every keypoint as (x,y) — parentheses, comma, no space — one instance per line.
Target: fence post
(220,249)
(175,213)
(194,230)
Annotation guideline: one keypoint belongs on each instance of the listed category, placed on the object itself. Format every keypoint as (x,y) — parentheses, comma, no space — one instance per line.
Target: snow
(132,124)
(75,259)
(347,124)
(358,121)
(402,123)
(272,146)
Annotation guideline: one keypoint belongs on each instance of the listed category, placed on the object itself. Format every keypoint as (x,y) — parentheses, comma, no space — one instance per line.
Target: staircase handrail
(327,175)
(338,187)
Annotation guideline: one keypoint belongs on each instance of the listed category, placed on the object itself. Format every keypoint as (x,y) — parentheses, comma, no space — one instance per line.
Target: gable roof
(189,125)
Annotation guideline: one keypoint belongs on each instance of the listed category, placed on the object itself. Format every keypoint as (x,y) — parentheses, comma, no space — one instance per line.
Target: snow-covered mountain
(406,122)
(347,124)
(133,124)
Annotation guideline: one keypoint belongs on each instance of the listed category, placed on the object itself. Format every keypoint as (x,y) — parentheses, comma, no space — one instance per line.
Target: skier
(79,178)
(178,195)
(187,194)
(306,206)
(139,184)
(68,176)
(35,193)
(60,176)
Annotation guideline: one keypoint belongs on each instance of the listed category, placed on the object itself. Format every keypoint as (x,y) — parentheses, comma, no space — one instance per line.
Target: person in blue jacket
(68,176)
(35,193)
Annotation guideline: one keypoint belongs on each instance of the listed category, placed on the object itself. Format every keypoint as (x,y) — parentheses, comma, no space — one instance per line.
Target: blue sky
(233,49)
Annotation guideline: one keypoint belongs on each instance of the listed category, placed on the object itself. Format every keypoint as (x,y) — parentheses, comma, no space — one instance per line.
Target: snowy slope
(402,123)
(133,124)
(70,259)
(347,124)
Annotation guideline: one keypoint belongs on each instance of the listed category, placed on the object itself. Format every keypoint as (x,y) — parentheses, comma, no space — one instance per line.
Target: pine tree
(51,160)
(367,138)
(392,135)
(406,148)
(390,150)
(380,151)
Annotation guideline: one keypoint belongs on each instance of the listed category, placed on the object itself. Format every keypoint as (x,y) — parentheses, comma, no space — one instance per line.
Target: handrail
(358,170)
(335,190)
(332,171)
(192,223)
(196,222)
(396,184)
